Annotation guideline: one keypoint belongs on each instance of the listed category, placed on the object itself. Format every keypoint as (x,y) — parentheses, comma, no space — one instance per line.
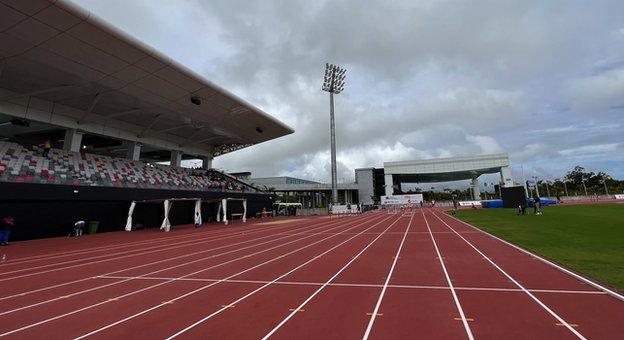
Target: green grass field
(586,238)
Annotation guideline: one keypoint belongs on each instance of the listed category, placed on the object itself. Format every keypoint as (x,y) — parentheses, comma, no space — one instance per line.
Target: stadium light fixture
(334,83)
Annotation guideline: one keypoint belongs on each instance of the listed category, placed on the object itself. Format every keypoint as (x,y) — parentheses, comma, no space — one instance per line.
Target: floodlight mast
(333,83)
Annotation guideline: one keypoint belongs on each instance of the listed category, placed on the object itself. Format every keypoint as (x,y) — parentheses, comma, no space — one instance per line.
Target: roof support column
(73,140)
(505,173)
(134,151)
(206,162)
(389,185)
(176,158)
(474,185)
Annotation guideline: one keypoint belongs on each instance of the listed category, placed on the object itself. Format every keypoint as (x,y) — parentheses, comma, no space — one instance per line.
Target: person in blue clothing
(5,228)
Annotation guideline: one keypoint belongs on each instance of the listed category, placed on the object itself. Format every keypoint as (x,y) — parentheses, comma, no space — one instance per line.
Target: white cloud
(491,76)
(588,150)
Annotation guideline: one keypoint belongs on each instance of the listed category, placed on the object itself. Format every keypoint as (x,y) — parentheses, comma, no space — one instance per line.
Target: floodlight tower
(333,82)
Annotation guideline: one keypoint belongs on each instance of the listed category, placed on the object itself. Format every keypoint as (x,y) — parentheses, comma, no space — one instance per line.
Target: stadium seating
(20,164)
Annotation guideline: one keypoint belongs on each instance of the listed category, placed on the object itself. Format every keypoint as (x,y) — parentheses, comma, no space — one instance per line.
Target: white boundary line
(411,232)
(150,263)
(295,310)
(150,241)
(448,280)
(567,271)
(369,328)
(361,285)
(127,253)
(160,270)
(217,282)
(550,311)
(157,262)
(161,284)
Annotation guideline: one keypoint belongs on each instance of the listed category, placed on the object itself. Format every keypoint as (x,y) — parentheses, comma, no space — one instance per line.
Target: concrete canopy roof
(65,61)
(446,169)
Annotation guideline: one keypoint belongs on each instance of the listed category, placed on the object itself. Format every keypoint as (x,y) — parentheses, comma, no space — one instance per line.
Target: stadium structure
(373,183)
(110,110)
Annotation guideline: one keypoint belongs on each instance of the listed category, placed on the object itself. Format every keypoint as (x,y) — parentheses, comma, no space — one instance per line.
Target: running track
(420,275)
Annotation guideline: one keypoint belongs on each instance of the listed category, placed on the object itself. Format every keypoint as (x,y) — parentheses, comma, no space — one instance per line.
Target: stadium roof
(79,72)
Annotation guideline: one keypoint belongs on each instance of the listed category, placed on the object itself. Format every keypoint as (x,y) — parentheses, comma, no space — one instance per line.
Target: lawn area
(586,238)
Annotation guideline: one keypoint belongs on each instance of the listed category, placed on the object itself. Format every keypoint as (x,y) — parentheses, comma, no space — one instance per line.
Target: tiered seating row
(28,165)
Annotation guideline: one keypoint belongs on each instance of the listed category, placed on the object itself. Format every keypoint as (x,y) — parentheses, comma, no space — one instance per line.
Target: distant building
(311,194)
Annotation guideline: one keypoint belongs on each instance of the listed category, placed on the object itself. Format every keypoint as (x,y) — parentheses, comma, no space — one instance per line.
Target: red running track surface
(420,274)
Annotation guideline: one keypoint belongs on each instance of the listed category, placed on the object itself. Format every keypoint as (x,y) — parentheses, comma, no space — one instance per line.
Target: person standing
(7,223)
(47,146)
(455,204)
(538,205)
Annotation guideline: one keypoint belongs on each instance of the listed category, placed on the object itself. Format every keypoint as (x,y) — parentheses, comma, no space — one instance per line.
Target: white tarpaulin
(402,199)
(619,197)
(198,216)
(166,226)
(344,209)
(224,203)
(245,211)
(129,221)
(469,203)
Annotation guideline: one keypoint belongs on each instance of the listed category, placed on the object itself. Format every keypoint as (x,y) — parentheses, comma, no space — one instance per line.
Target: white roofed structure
(60,65)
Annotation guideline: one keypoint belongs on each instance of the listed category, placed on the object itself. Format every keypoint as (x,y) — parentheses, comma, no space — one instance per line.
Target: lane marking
(227,306)
(448,280)
(296,310)
(531,295)
(127,253)
(569,324)
(164,260)
(163,283)
(375,312)
(239,273)
(322,225)
(552,264)
(460,319)
(367,285)
(271,332)
(286,274)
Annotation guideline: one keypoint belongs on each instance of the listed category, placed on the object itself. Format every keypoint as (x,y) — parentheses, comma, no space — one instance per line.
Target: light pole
(584,187)
(565,186)
(604,181)
(333,82)
(547,191)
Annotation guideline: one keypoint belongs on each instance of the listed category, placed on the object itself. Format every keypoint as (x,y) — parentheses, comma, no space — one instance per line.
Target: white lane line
(84,251)
(385,286)
(271,332)
(448,280)
(306,227)
(154,272)
(215,283)
(127,253)
(359,285)
(567,271)
(550,311)
(154,286)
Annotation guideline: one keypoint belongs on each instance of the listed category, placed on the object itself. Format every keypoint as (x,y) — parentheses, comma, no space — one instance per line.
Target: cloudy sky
(541,80)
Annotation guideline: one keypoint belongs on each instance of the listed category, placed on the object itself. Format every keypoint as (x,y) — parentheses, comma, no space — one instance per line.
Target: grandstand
(114,111)
(19,164)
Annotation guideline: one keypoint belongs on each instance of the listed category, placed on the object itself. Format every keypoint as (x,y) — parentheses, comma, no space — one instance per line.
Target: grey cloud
(425,78)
